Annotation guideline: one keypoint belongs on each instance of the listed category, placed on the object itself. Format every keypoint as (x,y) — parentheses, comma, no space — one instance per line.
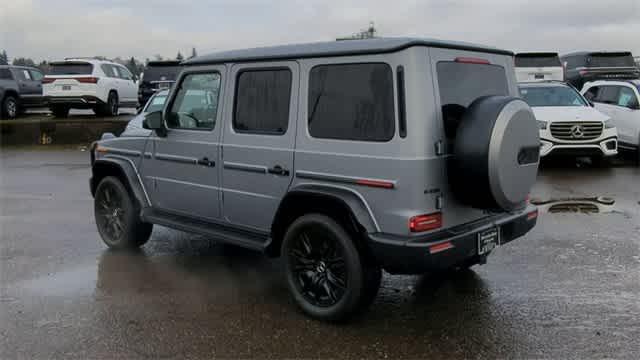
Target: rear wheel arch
(341,205)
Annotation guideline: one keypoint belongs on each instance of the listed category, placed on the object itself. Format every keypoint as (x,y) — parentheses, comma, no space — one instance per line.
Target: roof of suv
(83,60)
(334,48)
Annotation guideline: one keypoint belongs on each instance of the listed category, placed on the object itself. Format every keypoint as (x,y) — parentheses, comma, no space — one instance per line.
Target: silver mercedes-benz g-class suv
(345,158)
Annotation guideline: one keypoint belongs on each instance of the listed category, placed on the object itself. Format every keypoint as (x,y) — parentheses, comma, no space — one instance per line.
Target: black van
(157,75)
(582,67)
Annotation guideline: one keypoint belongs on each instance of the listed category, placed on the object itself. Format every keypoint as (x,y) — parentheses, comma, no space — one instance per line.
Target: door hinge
(439,148)
(439,202)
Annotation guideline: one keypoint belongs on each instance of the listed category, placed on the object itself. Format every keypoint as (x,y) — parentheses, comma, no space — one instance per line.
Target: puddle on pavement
(587,205)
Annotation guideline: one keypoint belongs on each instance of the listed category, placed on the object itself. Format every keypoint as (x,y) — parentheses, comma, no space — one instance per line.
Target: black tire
(10,107)
(329,278)
(116,215)
(110,108)
(60,111)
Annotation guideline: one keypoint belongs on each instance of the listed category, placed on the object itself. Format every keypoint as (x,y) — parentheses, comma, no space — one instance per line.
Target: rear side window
(71,69)
(462,83)
(5,74)
(537,60)
(262,101)
(23,74)
(351,102)
(195,105)
(612,60)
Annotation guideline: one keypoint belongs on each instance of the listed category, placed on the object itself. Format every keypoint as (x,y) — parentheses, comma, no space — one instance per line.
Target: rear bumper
(409,255)
(86,101)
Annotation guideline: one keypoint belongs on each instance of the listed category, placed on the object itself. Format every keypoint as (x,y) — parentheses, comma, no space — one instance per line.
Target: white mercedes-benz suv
(102,86)
(569,124)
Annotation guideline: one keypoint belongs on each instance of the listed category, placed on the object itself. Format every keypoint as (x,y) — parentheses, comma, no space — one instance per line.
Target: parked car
(335,156)
(538,66)
(20,89)
(155,103)
(157,75)
(582,67)
(620,100)
(102,86)
(569,125)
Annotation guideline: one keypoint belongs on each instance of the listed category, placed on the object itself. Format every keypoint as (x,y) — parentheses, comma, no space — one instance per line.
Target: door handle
(206,162)
(278,170)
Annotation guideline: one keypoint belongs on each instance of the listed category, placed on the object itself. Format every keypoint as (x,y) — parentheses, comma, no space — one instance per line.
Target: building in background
(368,33)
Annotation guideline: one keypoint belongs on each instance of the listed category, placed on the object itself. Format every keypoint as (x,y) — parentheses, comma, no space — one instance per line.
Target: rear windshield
(161,73)
(537,60)
(461,83)
(71,69)
(551,96)
(611,60)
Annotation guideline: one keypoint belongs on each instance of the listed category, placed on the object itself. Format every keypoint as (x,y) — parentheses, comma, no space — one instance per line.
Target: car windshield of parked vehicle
(156,103)
(537,60)
(551,96)
(611,60)
(71,68)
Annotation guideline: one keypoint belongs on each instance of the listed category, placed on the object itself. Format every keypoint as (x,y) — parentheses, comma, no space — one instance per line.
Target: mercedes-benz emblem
(577,131)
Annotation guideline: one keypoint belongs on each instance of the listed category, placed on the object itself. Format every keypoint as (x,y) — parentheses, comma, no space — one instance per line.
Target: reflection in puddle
(593,205)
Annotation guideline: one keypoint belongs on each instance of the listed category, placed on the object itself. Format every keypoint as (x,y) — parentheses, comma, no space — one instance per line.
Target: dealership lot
(570,288)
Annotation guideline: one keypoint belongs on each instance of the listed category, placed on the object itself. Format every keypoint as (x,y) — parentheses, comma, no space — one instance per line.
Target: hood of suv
(568,113)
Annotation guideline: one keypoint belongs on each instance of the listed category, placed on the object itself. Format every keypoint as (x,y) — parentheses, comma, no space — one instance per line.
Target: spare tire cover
(497,151)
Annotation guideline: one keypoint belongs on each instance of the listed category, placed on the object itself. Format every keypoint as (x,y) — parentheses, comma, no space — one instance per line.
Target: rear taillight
(47,80)
(88,80)
(426,222)
(471,60)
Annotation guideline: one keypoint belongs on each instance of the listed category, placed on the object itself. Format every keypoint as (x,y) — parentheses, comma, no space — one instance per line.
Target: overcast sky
(54,29)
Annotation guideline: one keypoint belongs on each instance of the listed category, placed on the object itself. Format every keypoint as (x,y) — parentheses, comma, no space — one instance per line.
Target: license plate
(488,240)
(539,76)
(66,87)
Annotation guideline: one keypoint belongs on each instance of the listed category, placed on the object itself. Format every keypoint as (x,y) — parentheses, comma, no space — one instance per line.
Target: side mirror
(154,121)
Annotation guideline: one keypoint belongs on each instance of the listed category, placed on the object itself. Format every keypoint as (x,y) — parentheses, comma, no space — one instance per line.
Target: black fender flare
(125,169)
(354,201)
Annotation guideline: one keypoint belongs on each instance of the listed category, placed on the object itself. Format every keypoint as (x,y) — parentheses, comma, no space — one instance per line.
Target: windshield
(537,60)
(551,96)
(71,69)
(612,60)
(156,103)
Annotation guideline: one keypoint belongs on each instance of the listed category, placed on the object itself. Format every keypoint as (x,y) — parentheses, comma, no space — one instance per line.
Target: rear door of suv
(258,141)
(459,78)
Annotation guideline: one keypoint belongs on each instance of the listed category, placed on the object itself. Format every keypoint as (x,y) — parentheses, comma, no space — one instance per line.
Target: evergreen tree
(179,57)
(193,53)
(4,59)
(24,62)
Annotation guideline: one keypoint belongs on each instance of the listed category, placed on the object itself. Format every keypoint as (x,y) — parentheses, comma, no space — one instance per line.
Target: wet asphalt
(569,289)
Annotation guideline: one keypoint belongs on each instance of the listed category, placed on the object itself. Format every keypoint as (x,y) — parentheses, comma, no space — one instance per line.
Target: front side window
(195,105)
(627,98)
(461,83)
(262,101)
(537,96)
(36,75)
(607,95)
(351,102)
(109,70)
(156,103)
(124,73)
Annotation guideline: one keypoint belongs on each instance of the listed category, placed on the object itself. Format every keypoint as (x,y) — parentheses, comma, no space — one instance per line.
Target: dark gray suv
(20,88)
(344,158)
